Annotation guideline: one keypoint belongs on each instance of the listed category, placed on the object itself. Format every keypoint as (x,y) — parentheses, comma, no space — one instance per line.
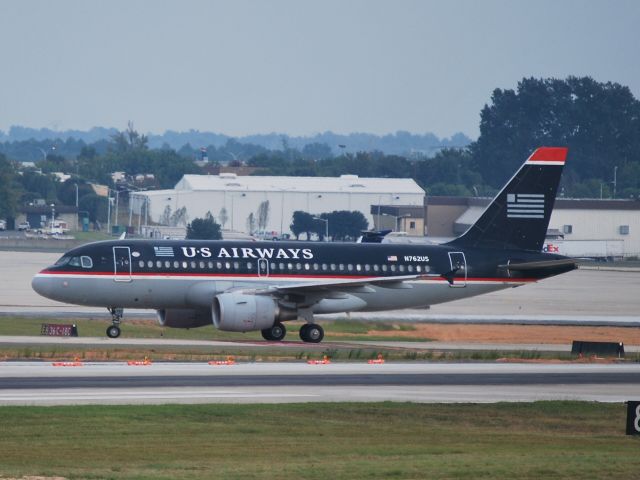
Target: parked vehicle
(24,226)
(3,225)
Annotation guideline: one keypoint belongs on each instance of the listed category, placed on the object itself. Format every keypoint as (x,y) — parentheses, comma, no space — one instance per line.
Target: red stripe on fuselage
(279,275)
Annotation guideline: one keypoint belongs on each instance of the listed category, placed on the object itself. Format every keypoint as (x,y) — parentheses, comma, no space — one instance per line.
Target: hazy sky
(295,66)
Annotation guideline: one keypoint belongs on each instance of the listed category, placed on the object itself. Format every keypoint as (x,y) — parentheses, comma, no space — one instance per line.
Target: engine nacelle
(184,318)
(237,312)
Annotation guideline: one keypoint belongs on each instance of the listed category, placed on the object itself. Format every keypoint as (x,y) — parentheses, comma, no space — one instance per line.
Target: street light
(326,227)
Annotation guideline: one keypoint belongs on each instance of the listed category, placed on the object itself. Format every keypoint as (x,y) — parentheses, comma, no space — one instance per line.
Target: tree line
(599,122)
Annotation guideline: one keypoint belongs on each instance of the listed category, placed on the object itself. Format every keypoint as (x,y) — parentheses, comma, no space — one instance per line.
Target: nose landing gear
(113,331)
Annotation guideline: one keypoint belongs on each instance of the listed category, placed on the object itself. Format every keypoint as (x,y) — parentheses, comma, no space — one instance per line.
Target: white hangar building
(242,195)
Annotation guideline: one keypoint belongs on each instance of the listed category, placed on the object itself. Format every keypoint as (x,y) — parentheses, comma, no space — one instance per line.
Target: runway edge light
(633,417)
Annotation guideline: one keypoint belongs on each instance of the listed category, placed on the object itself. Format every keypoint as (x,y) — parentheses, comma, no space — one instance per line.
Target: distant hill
(399,143)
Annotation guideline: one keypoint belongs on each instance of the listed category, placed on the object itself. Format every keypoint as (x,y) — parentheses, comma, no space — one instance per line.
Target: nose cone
(42,285)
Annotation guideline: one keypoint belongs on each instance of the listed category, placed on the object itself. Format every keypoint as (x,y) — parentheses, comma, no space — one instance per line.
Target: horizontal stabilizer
(543,265)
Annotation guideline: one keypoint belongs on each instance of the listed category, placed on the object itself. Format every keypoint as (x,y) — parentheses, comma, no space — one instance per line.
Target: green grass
(334,330)
(567,440)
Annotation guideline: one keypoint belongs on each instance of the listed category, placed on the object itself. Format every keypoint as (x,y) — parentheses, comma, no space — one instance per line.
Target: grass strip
(569,440)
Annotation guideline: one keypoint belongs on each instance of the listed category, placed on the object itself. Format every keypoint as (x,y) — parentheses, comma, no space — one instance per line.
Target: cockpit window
(63,260)
(86,262)
(75,262)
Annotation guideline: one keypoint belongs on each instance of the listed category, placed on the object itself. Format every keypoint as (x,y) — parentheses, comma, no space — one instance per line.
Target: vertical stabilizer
(518,217)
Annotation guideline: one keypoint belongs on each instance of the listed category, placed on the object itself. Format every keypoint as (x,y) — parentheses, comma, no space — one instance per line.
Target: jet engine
(236,312)
(184,318)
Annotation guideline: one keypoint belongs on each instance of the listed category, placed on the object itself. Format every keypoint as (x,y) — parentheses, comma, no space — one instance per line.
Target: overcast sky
(294,66)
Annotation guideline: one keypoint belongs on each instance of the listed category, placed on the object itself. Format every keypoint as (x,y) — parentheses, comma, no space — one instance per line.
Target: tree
(599,122)
(251,223)
(204,229)
(179,217)
(345,225)
(8,189)
(223,216)
(303,222)
(165,219)
(263,215)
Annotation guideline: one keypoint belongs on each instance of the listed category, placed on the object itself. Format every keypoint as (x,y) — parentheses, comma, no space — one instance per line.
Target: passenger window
(316,266)
(88,263)
(210,265)
(333,266)
(227,265)
(384,268)
(184,265)
(176,264)
(401,268)
(150,264)
(307,266)
(193,264)
(359,267)
(376,268)
(298,266)
(236,265)
(410,268)
(367,268)
(324,266)
(219,265)
(393,268)
(350,267)
(341,266)
(249,266)
(290,266)
(167,264)
(140,264)
(201,264)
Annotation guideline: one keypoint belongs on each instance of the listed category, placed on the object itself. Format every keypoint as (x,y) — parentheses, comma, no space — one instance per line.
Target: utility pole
(615,180)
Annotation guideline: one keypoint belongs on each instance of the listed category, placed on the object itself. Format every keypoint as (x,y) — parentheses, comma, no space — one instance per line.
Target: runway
(40,383)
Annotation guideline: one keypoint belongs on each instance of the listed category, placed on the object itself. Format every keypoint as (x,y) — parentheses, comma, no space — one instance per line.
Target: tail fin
(518,216)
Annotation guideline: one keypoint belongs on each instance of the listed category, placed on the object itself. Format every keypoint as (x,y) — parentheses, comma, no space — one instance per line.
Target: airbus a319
(244,286)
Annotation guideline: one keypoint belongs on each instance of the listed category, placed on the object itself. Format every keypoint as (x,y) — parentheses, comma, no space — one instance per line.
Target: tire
(303,332)
(113,331)
(313,333)
(274,334)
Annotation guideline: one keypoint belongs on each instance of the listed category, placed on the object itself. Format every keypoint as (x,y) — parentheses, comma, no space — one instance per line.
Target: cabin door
(121,264)
(263,267)
(459,264)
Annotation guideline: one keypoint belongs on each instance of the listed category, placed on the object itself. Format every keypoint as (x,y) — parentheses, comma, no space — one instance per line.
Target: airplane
(243,286)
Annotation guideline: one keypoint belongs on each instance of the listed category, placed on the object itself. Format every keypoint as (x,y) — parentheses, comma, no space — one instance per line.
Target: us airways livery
(242,286)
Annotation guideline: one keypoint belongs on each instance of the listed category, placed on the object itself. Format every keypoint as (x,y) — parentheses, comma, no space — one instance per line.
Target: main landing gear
(275,333)
(113,331)
(312,333)
(309,332)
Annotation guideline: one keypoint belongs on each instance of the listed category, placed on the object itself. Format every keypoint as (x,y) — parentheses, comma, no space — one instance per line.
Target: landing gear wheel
(276,333)
(113,331)
(312,333)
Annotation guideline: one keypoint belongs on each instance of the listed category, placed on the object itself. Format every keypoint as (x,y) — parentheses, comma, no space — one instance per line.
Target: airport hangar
(242,196)
(579,227)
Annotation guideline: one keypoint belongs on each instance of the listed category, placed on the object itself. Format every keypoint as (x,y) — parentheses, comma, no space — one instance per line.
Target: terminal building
(232,199)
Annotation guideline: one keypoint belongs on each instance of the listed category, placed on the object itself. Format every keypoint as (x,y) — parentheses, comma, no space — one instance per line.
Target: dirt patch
(497,333)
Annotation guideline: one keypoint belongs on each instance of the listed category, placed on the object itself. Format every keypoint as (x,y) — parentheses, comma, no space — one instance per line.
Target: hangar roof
(341,184)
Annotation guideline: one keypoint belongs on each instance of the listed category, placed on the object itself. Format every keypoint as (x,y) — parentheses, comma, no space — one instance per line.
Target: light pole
(53,216)
(615,180)
(326,227)
(76,185)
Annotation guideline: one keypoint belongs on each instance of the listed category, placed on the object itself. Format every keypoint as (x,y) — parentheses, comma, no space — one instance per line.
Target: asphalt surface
(42,383)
